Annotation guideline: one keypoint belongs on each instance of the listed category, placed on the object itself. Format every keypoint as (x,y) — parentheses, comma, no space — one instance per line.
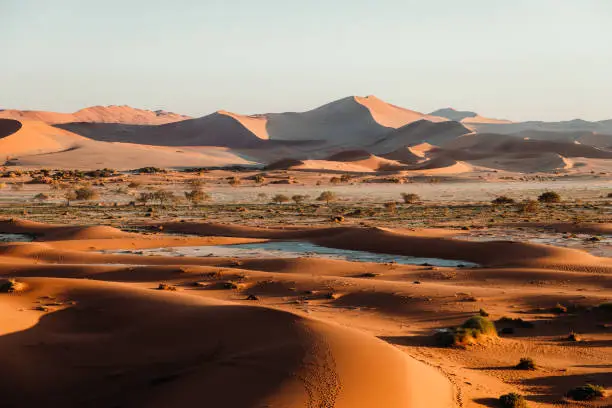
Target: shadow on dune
(8,127)
(551,389)
(121,348)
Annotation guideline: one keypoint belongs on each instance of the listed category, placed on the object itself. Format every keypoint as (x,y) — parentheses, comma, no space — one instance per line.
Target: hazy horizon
(548,60)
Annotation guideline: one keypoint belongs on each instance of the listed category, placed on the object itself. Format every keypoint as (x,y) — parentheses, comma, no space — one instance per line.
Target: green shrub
(512,400)
(586,392)
(526,363)
(501,200)
(469,332)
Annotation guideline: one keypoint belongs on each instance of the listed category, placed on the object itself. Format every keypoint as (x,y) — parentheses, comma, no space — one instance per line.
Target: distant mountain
(97,114)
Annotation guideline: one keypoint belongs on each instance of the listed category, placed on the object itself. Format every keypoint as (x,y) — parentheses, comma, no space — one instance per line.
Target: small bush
(410,198)
(529,206)
(549,197)
(390,206)
(573,336)
(559,309)
(280,199)
(586,392)
(165,286)
(512,400)
(86,194)
(501,200)
(526,363)
(483,313)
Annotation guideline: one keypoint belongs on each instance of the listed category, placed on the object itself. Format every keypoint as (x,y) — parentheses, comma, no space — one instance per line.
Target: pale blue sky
(518,59)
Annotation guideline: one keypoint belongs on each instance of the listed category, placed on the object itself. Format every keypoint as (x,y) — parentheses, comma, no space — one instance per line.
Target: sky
(519,59)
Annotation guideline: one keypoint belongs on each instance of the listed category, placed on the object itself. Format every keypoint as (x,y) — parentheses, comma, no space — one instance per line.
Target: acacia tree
(280,198)
(299,199)
(327,196)
(70,195)
(197,196)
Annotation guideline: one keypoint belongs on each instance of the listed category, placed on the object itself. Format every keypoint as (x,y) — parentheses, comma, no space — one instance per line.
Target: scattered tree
(327,196)
(70,195)
(390,206)
(234,181)
(299,199)
(86,194)
(197,196)
(280,199)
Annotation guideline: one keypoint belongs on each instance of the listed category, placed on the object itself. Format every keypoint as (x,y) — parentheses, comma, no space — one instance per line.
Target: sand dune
(98,114)
(120,344)
(349,121)
(419,132)
(36,144)
(20,138)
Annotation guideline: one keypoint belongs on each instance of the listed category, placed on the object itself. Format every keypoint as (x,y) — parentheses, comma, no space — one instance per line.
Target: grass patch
(165,286)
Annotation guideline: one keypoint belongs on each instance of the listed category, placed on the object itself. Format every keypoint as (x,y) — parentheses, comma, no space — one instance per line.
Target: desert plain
(356,255)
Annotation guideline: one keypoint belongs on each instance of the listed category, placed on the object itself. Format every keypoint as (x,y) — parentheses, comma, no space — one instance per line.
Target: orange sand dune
(138,347)
(33,138)
(292,332)
(98,114)
(36,144)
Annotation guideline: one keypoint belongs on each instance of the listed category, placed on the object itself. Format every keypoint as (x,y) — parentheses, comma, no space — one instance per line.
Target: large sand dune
(18,138)
(103,344)
(36,144)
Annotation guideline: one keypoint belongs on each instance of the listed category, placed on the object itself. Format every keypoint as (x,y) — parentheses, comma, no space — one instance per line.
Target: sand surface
(91,329)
